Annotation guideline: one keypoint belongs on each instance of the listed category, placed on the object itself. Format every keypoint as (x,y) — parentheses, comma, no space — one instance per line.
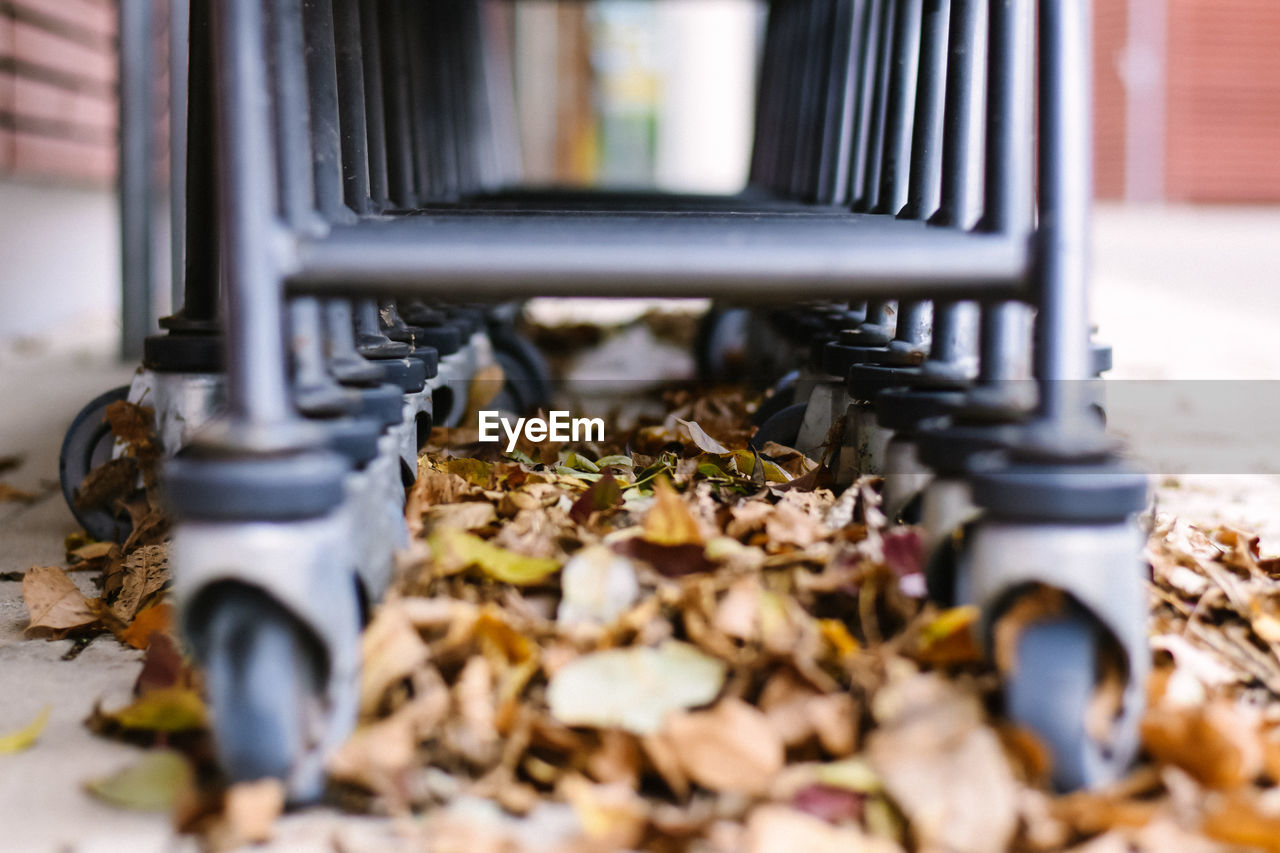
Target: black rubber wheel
(529,376)
(263,676)
(87,444)
(720,344)
(1050,693)
(782,395)
(783,428)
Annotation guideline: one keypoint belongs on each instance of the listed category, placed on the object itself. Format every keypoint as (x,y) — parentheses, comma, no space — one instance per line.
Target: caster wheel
(264,681)
(88,444)
(783,395)
(1051,691)
(783,427)
(528,376)
(520,392)
(719,349)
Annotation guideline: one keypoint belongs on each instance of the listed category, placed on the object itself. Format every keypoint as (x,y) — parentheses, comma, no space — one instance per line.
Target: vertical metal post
(257,388)
(179,27)
(137,62)
(375,112)
(1009,201)
(351,107)
(322,87)
(899,112)
(1063,355)
(869,197)
(925,189)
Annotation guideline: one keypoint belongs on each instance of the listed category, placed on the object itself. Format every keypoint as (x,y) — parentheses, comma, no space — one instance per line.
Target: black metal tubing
(867,64)
(925,183)
(136,186)
(202,262)
(179,35)
(961,165)
(296,188)
(1009,202)
(322,87)
(895,163)
(869,199)
(1063,353)
(399,135)
(352,112)
(731,254)
(375,111)
(842,103)
(257,388)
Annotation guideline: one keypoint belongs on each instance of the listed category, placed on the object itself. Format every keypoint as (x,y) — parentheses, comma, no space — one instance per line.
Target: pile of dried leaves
(671,642)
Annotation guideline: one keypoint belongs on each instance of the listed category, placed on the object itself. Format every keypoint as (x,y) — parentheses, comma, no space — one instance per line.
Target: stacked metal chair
(351,183)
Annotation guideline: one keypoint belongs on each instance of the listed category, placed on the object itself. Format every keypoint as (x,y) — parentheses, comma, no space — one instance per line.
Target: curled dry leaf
(635,688)
(145,573)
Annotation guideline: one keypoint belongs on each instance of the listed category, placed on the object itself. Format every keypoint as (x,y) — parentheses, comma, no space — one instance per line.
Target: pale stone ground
(1182,294)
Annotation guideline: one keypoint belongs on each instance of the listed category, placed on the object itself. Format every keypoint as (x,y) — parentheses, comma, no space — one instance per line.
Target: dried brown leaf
(54,603)
(731,747)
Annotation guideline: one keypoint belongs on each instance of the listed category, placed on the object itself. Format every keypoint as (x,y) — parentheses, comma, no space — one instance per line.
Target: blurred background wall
(617,91)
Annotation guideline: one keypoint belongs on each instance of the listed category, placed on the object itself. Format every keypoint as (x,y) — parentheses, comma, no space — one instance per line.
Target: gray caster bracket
(272,612)
(1074,671)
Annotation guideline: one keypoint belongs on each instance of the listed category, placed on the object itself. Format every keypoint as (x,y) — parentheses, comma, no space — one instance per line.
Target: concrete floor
(1182,294)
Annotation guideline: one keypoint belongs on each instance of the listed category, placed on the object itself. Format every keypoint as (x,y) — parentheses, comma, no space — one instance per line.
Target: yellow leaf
(835,633)
(474,471)
(669,521)
(458,550)
(169,709)
(24,737)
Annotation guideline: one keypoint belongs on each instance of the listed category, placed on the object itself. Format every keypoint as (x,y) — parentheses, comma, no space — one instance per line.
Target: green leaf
(151,785)
(24,737)
(580,463)
(616,459)
(459,550)
(523,458)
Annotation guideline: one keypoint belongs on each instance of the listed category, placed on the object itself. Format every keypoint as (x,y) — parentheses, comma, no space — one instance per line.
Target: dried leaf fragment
(455,550)
(598,587)
(669,521)
(54,602)
(152,784)
(731,747)
(25,737)
(168,710)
